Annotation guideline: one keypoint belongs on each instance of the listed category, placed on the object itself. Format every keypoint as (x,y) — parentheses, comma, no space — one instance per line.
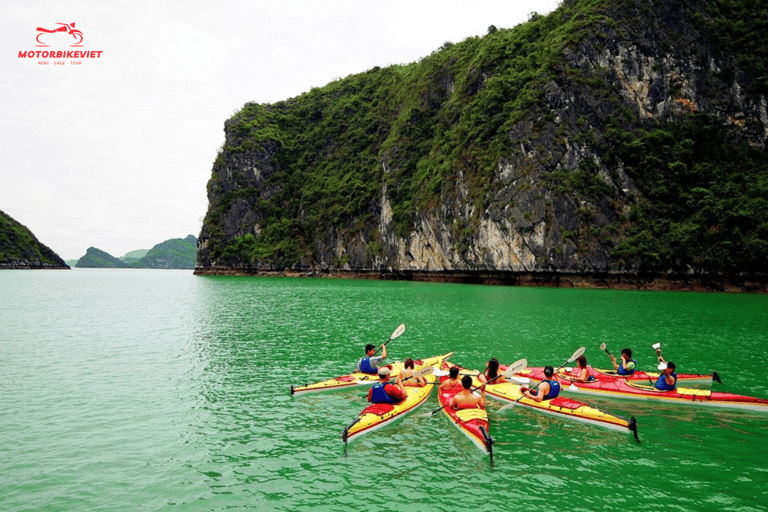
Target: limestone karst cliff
(20,249)
(623,136)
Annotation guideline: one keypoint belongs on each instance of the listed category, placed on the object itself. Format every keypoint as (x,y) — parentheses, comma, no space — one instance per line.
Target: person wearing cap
(627,365)
(466,399)
(385,393)
(548,389)
(370,362)
(667,381)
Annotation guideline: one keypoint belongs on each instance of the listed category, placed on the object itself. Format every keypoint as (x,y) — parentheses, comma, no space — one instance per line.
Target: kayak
(376,416)
(471,422)
(354,379)
(537,373)
(560,407)
(620,388)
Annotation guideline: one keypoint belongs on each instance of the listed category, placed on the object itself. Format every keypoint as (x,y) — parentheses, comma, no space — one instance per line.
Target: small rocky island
(20,249)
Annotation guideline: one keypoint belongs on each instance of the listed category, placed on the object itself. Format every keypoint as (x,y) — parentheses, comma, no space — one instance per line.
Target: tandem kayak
(561,407)
(620,388)
(362,379)
(376,416)
(471,422)
(537,373)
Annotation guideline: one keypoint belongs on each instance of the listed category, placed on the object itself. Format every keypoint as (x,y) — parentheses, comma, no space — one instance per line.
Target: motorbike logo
(69,28)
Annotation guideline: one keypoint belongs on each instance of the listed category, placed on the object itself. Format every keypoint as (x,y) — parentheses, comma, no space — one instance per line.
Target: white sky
(115,153)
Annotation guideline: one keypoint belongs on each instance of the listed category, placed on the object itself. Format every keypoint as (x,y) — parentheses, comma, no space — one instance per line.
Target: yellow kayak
(354,379)
(376,416)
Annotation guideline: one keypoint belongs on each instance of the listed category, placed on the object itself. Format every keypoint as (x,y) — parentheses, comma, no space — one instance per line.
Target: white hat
(384,371)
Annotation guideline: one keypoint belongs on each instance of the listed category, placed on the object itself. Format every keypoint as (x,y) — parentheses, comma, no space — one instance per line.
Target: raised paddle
(662,364)
(400,330)
(507,374)
(575,356)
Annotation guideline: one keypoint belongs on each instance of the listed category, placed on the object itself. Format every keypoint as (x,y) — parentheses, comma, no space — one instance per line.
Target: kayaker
(452,382)
(406,376)
(627,366)
(548,389)
(466,399)
(385,393)
(582,372)
(492,372)
(667,381)
(370,363)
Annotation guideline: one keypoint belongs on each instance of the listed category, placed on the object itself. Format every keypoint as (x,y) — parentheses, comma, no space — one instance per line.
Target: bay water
(159,390)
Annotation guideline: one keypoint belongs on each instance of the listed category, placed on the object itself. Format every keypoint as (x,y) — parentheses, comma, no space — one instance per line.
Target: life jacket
(622,371)
(380,396)
(554,389)
(365,366)
(661,382)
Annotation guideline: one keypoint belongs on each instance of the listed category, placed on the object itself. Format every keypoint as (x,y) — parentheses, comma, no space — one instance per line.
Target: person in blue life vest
(667,381)
(548,389)
(627,365)
(370,363)
(385,393)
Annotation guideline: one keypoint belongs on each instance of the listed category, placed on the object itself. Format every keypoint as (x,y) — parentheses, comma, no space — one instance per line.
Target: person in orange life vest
(667,381)
(581,373)
(548,388)
(385,393)
(370,364)
(452,382)
(407,373)
(466,399)
(491,371)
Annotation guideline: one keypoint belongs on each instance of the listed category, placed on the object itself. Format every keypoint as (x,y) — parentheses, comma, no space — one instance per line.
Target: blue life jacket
(661,383)
(365,366)
(379,395)
(622,371)
(554,389)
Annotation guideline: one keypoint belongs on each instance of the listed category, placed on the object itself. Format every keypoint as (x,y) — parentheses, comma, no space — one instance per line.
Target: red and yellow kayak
(471,422)
(354,379)
(376,416)
(620,388)
(537,373)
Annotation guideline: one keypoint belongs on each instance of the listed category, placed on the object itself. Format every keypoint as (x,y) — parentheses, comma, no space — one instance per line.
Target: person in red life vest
(492,372)
(466,399)
(370,363)
(452,382)
(406,377)
(548,389)
(385,393)
(581,373)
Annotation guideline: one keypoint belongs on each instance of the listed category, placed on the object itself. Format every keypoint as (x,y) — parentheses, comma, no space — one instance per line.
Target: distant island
(176,253)
(20,249)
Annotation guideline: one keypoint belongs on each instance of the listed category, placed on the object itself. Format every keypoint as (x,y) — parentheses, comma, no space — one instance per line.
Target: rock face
(96,258)
(557,198)
(20,249)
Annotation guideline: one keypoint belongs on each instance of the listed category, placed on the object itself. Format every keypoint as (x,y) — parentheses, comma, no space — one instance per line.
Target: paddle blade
(576,355)
(657,346)
(514,368)
(424,371)
(400,330)
(662,366)
(602,346)
(572,387)
(522,381)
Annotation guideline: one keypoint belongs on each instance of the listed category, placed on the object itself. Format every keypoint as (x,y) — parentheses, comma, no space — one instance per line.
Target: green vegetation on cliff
(176,253)
(19,248)
(523,95)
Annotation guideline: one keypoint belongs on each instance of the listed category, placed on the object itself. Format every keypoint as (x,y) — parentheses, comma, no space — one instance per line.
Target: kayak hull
(633,391)
(473,423)
(356,379)
(376,416)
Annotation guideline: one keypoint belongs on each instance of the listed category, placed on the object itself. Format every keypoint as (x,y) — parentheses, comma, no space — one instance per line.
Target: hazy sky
(115,152)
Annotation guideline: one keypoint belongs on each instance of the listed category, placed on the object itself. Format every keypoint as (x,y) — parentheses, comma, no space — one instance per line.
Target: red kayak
(621,388)
(471,422)
(537,373)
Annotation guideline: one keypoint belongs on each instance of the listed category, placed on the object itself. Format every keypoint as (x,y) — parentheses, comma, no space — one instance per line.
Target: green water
(158,390)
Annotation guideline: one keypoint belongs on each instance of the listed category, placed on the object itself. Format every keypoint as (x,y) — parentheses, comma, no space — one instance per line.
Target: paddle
(603,347)
(418,373)
(507,374)
(400,330)
(662,364)
(575,356)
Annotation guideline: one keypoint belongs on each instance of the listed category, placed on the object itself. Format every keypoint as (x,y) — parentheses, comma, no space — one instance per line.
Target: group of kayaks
(474,422)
